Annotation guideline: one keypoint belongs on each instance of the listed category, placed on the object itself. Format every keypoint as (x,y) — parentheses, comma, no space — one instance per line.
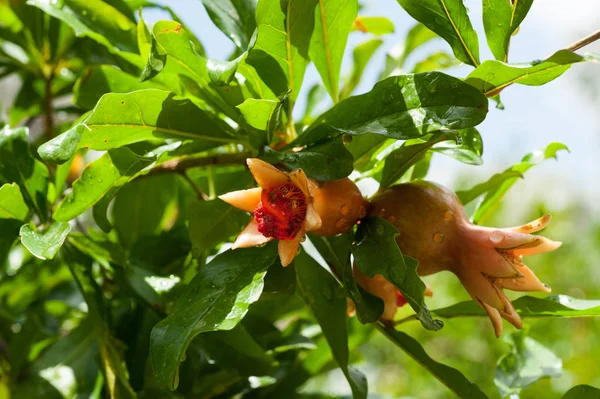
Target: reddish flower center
(281,212)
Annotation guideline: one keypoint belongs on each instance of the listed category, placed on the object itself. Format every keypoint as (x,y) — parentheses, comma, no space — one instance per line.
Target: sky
(565,110)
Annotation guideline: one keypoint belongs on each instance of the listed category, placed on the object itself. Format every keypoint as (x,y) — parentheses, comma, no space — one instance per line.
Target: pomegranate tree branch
(585,41)
(179,165)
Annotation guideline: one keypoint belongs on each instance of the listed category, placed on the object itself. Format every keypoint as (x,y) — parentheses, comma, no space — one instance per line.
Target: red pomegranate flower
(281,208)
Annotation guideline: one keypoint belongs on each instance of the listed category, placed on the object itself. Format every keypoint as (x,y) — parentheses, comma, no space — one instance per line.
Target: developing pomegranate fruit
(288,205)
(434,229)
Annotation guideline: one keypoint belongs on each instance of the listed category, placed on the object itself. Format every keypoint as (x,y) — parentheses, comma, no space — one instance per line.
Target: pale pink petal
(288,248)
(512,317)
(313,220)
(480,287)
(494,316)
(534,226)
(529,282)
(246,200)
(266,175)
(507,239)
(543,244)
(250,236)
(298,178)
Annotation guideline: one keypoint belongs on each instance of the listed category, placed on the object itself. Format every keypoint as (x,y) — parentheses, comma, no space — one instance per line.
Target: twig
(182,164)
(585,41)
(194,186)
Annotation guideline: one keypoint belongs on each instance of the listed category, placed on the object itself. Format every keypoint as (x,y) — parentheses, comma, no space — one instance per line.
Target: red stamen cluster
(282,212)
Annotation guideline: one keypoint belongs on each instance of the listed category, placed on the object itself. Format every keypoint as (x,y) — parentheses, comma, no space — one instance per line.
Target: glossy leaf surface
(12,204)
(44,244)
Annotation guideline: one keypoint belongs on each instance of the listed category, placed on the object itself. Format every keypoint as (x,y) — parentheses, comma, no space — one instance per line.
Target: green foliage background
(115,280)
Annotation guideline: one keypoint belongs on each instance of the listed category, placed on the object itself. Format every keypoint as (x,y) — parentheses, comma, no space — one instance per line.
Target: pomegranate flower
(281,208)
(434,229)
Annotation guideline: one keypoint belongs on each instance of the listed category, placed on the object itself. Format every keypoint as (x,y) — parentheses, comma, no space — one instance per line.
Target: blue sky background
(566,110)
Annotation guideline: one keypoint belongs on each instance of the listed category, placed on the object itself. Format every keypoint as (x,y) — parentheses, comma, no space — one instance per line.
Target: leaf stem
(585,41)
(194,186)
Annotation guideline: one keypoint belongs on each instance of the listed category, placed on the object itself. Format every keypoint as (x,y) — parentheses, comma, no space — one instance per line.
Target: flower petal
(250,236)
(529,282)
(494,316)
(266,175)
(542,245)
(480,287)
(313,220)
(288,248)
(246,200)
(534,226)
(298,178)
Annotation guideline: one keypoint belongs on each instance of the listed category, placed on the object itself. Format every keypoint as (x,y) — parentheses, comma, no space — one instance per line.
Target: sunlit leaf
(491,77)
(582,392)
(327,300)
(332,24)
(435,62)
(216,299)
(44,244)
(12,204)
(449,19)
(213,222)
(235,18)
(377,26)
(18,166)
(361,55)
(468,149)
(403,107)
(376,252)
(501,19)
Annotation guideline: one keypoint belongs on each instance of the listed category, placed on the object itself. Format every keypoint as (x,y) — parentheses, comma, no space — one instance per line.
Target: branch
(585,41)
(180,165)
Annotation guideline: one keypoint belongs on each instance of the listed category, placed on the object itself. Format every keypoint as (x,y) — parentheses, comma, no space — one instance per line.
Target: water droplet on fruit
(303,238)
(341,223)
(344,209)
(362,213)
(496,237)
(448,216)
(438,237)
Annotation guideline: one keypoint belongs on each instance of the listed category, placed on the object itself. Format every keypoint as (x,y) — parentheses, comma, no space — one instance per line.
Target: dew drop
(448,216)
(344,209)
(438,237)
(303,238)
(496,237)
(341,223)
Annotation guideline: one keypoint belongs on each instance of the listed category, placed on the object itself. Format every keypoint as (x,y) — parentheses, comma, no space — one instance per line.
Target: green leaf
(527,306)
(333,21)
(361,56)
(527,362)
(112,362)
(403,107)
(377,26)
(18,166)
(213,222)
(492,77)
(102,79)
(399,161)
(9,232)
(417,36)
(501,19)
(363,148)
(44,245)
(12,204)
(582,392)
(450,377)
(113,169)
(280,55)
(235,18)
(323,162)
(327,300)
(61,148)
(122,119)
(216,299)
(469,148)
(95,19)
(143,207)
(435,62)
(336,251)
(222,73)
(495,188)
(376,252)
(449,19)
(261,115)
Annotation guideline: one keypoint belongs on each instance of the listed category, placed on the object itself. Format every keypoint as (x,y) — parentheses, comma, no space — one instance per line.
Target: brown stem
(182,164)
(48,108)
(585,41)
(194,186)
